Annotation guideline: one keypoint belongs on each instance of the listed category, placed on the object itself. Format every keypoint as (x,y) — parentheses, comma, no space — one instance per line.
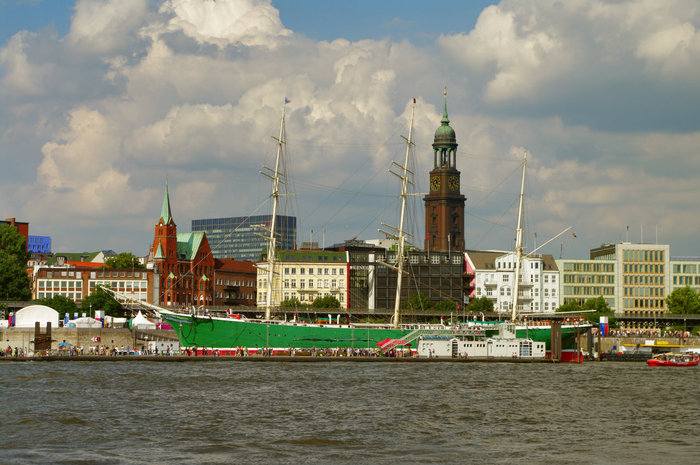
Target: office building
(244,238)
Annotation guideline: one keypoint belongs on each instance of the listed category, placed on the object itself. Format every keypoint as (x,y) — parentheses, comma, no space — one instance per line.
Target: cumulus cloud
(106,26)
(20,76)
(602,94)
(226,22)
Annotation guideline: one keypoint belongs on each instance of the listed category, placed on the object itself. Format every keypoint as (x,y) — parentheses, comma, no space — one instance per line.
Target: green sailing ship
(234,334)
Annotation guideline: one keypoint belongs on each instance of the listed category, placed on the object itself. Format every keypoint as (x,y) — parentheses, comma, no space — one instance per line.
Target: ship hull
(230,335)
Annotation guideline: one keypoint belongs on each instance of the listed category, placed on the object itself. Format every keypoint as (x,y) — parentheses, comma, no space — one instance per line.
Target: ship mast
(274,175)
(519,244)
(400,233)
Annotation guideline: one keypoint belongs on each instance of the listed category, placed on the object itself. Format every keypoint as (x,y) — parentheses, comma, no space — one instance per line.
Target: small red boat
(674,360)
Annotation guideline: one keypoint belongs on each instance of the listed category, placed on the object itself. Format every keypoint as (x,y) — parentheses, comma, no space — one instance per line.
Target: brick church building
(183,264)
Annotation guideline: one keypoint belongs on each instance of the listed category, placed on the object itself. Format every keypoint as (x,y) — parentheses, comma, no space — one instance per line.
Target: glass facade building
(244,238)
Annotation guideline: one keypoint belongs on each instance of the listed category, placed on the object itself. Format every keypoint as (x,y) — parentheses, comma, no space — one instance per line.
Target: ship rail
(417,333)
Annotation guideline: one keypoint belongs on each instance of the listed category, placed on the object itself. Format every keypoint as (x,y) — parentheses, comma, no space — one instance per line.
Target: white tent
(29,315)
(85,322)
(141,322)
(114,322)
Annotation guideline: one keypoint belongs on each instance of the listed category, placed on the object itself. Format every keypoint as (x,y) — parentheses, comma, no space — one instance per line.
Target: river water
(201,412)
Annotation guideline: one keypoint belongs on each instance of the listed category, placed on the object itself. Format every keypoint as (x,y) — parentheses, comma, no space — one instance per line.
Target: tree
(446,306)
(292,303)
(569,307)
(683,300)
(124,260)
(480,305)
(59,303)
(418,301)
(599,304)
(326,302)
(14,281)
(101,300)
(601,307)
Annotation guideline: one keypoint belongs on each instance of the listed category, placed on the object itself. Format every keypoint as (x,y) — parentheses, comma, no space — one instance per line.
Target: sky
(103,102)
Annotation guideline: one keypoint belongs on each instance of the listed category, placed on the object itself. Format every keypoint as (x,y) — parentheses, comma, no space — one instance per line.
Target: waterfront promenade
(88,344)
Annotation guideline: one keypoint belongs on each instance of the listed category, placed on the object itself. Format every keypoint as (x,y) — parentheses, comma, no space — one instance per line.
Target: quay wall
(83,337)
(608,343)
(24,337)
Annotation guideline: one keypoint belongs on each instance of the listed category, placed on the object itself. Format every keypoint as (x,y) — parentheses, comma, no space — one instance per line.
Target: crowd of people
(650,333)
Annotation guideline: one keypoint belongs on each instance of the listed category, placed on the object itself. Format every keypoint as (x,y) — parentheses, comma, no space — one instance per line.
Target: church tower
(444,205)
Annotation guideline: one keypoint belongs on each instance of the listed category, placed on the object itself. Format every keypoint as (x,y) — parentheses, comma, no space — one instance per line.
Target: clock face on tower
(453,183)
(434,183)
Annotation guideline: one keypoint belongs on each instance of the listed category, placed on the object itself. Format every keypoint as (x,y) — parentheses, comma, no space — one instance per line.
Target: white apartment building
(305,275)
(493,277)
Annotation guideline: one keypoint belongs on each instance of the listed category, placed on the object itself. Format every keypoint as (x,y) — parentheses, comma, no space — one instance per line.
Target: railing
(416,333)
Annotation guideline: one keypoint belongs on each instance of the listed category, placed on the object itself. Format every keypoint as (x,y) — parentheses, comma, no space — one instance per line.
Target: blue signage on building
(39,244)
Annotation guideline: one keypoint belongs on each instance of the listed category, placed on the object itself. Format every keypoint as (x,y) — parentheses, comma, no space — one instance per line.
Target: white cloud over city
(603,95)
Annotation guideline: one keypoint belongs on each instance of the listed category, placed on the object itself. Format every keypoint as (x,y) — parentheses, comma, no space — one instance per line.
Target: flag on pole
(286,100)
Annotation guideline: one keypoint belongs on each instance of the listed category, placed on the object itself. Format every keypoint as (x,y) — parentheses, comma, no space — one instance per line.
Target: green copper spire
(165,210)
(445,120)
(444,133)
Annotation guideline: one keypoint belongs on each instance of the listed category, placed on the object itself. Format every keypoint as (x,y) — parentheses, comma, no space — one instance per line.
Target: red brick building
(444,204)
(234,283)
(182,262)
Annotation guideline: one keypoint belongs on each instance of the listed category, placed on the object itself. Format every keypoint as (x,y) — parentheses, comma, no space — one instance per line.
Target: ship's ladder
(416,333)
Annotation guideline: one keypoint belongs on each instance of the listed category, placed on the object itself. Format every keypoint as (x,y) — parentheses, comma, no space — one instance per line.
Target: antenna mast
(272,239)
(400,233)
(518,244)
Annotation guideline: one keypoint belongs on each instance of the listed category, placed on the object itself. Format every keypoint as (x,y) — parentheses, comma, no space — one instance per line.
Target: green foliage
(292,303)
(480,305)
(124,260)
(599,304)
(601,308)
(59,303)
(101,300)
(417,302)
(569,307)
(683,300)
(326,302)
(446,306)
(14,281)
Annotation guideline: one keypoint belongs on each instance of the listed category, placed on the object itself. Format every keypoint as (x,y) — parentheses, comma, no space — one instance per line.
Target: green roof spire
(445,120)
(165,210)
(444,133)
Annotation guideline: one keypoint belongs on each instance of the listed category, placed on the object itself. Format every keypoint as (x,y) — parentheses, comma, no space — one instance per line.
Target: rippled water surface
(275,412)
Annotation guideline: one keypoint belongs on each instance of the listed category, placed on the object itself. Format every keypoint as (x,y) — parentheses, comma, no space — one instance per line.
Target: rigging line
(323,187)
(494,224)
(328,197)
(490,157)
(338,210)
(492,191)
(341,146)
